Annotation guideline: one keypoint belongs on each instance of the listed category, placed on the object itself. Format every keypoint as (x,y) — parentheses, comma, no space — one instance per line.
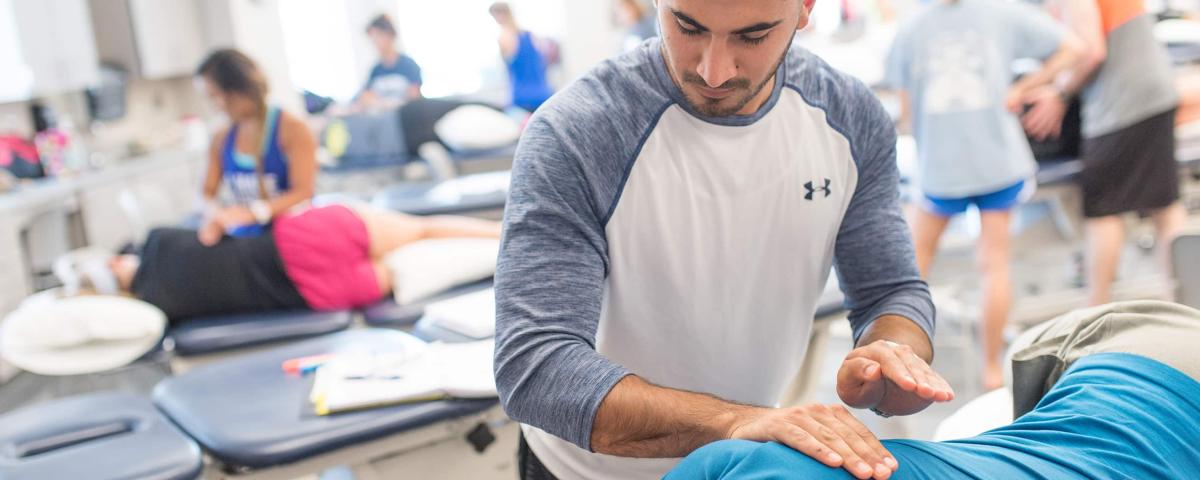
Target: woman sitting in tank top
(266,156)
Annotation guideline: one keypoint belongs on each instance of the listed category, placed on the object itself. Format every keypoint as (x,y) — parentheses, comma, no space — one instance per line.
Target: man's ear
(805,14)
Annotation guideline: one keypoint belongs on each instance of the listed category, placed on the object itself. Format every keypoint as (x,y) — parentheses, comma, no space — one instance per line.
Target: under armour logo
(809,186)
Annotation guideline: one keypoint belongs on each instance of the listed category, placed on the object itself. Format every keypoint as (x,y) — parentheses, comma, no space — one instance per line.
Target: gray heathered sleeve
(549,286)
(874,254)
(572,161)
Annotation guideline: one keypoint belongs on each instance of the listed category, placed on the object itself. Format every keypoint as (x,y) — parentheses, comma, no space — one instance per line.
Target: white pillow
(476,127)
(77,335)
(428,267)
(986,412)
(473,314)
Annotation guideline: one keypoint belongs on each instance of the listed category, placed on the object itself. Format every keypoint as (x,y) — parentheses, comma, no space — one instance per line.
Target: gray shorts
(1166,332)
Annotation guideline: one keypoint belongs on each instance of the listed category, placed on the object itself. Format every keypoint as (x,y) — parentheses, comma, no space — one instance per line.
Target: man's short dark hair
(383,23)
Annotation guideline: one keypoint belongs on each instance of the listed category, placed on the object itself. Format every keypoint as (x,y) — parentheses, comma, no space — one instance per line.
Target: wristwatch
(261,211)
(1063,95)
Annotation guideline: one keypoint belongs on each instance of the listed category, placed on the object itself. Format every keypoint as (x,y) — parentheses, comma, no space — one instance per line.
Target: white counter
(88,204)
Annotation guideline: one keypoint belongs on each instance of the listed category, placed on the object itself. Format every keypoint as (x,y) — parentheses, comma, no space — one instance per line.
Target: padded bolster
(248,414)
(97,436)
(212,334)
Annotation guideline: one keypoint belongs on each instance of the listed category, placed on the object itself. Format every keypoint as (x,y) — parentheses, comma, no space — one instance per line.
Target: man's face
(724,53)
(383,41)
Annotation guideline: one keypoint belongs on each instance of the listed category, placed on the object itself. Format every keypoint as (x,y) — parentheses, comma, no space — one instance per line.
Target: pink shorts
(327,255)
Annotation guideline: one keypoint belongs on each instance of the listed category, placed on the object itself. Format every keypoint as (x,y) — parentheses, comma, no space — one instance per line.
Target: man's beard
(712,107)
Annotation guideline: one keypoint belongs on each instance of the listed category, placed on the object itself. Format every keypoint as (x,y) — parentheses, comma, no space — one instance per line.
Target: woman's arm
(212,177)
(450,226)
(211,229)
(301,149)
(508,45)
(300,146)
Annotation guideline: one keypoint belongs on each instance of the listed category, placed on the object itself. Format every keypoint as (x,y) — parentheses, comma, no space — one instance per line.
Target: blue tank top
(527,75)
(239,168)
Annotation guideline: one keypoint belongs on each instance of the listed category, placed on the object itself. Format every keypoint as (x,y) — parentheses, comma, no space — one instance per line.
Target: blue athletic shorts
(1004,199)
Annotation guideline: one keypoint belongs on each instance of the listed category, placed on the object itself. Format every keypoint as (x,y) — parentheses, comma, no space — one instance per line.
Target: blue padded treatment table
(506,151)
(104,436)
(1051,172)
(1184,53)
(213,334)
(247,413)
(452,197)
(388,313)
(427,331)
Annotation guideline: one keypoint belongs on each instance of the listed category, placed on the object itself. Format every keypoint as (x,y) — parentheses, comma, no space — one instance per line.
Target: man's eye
(688,30)
(754,40)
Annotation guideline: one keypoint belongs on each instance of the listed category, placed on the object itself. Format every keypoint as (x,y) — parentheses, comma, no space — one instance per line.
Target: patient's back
(238,275)
(1111,416)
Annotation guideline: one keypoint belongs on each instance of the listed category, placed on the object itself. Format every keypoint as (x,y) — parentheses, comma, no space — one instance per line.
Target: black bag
(20,158)
(1068,144)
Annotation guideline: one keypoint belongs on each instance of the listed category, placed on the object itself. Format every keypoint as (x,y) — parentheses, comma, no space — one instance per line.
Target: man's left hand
(890,377)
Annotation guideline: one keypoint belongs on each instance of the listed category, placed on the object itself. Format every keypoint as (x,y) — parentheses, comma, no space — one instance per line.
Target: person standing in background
(638,23)
(396,79)
(266,156)
(1129,101)
(526,64)
(952,62)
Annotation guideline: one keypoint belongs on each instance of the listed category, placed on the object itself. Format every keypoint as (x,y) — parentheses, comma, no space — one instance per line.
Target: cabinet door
(38,44)
(76,61)
(17,82)
(57,43)
(168,37)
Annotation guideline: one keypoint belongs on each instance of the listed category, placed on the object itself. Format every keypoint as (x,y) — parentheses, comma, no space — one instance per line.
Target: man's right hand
(1044,119)
(827,433)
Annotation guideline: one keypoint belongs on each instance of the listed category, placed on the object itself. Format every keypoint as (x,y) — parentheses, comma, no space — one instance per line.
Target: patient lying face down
(1127,406)
(326,258)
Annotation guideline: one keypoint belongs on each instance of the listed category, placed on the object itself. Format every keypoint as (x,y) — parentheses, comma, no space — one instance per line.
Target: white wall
(258,33)
(253,27)
(358,14)
(590,36)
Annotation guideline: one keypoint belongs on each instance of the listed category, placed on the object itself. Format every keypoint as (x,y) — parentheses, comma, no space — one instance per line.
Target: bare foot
(993,376)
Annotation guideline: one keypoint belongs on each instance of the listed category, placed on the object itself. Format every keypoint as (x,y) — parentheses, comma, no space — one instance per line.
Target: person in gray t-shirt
(952,61)
(1128,151)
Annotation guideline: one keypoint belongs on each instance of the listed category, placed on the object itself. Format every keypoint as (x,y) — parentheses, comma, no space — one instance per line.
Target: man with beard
(672,221)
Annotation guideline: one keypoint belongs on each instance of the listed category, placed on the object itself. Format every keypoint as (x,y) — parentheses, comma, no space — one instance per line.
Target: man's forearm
(1067,56)
(639,419)
(1083,19)
(900,330)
